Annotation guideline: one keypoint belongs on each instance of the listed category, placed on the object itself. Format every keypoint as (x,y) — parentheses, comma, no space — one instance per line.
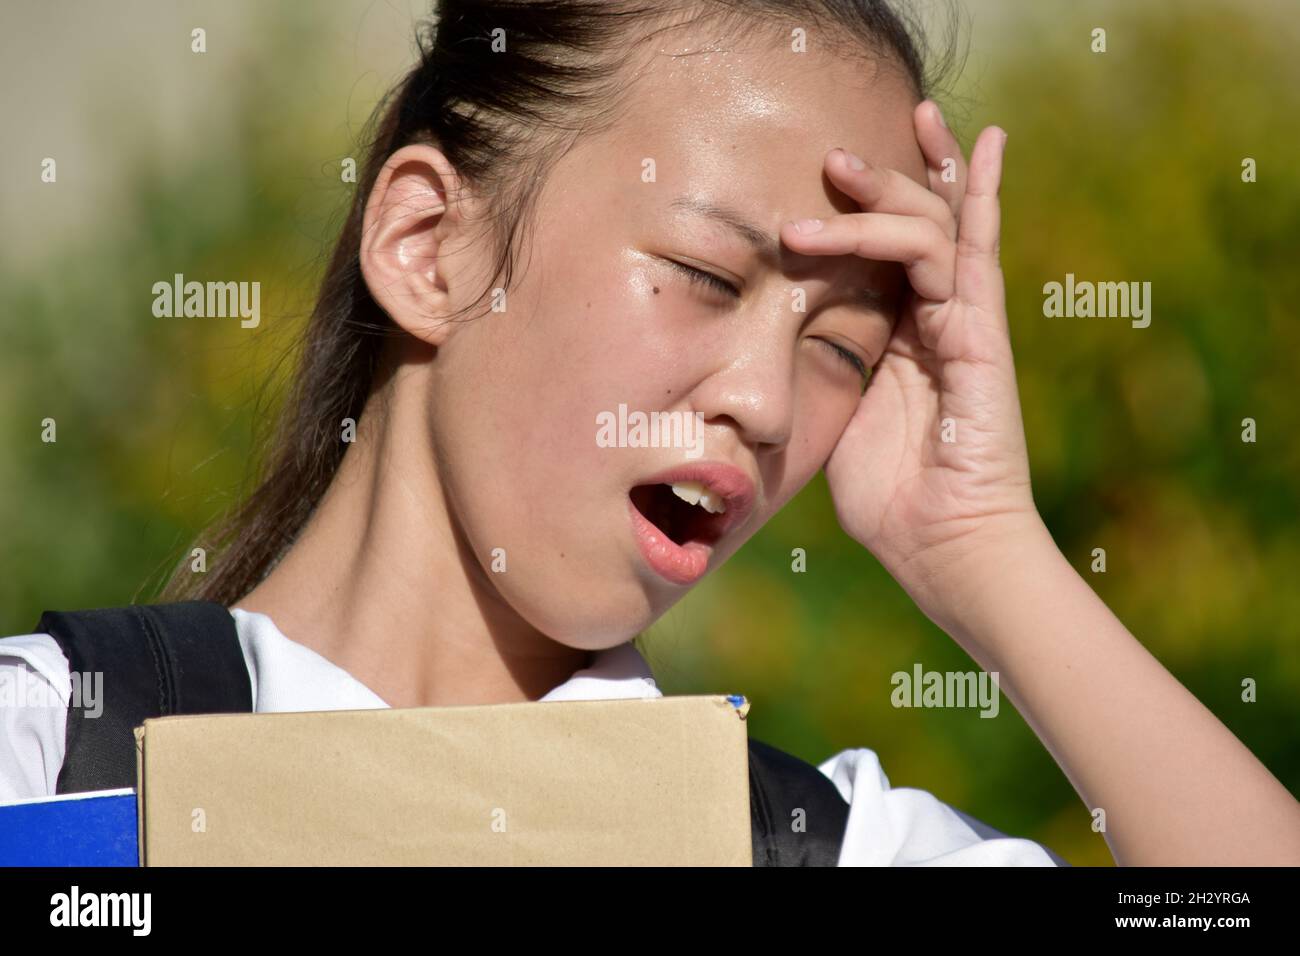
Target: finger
(978,274)
(880,189)
(945,164)
(918,243)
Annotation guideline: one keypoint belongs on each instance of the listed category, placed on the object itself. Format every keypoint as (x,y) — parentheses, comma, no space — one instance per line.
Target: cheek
(822,414)
(524,392)
(822,417)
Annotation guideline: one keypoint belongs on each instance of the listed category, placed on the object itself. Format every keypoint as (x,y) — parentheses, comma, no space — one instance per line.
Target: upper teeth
(694,492)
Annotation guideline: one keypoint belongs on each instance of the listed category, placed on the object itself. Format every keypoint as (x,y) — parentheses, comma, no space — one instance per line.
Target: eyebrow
(767,245)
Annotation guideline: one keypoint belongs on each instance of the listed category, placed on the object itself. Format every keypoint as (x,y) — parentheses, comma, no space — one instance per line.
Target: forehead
(754,121)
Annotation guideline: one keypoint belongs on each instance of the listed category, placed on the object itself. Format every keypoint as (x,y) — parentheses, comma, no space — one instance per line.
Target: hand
(932,466)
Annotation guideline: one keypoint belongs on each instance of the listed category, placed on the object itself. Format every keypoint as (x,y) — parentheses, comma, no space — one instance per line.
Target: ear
(412,210)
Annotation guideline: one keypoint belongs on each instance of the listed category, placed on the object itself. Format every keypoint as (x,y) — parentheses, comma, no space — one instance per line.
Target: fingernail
(853,161)
(806,226)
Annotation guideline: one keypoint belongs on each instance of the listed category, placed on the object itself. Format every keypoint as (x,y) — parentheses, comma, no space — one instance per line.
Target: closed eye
(700,277)
(858,365)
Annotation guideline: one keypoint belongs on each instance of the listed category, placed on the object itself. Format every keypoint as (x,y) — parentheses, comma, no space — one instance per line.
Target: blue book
(75,829)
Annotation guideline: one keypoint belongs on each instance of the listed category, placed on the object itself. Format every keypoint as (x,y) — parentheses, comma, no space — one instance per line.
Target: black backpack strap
(780,784)
(155,661)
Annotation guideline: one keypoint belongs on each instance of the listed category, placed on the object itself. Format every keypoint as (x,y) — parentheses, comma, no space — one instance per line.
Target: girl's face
(608,321)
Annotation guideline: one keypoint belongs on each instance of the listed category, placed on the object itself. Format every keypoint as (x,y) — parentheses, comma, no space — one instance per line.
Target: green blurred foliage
(1123,166)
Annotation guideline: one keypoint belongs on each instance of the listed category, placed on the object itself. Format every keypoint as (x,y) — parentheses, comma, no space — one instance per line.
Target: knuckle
(968,246)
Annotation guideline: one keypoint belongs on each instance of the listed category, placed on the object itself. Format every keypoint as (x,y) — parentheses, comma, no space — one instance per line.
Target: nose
(753,392)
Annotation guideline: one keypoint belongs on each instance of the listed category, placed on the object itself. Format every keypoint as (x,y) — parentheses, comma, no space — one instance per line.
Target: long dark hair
(500,87)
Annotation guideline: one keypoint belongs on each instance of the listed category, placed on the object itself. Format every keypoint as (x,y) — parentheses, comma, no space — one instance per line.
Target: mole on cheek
(656,288)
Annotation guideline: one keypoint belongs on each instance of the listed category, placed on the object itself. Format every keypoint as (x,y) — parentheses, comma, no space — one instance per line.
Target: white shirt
(887,826)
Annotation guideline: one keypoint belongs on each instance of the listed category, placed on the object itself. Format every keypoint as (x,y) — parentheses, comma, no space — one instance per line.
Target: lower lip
(675,563)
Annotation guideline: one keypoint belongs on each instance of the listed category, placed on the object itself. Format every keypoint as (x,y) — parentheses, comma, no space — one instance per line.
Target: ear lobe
(406,221)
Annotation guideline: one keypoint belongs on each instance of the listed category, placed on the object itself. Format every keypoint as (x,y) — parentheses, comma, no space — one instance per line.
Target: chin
(586,608)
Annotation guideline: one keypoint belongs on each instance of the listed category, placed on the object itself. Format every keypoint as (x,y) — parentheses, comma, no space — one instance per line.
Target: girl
(735,212)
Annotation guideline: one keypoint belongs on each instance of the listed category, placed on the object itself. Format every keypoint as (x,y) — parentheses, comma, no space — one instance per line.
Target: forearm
(1177,787)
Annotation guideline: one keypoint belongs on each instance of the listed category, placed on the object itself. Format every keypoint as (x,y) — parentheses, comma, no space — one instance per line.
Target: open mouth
(679,515)
(684,512)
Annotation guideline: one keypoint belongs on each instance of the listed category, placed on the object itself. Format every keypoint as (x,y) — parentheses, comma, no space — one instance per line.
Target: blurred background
(1120,166)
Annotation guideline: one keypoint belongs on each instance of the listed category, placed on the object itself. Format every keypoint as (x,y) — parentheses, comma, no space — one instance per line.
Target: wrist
(972,578)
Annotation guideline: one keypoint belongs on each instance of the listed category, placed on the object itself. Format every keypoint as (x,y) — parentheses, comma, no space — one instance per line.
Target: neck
(381,583)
